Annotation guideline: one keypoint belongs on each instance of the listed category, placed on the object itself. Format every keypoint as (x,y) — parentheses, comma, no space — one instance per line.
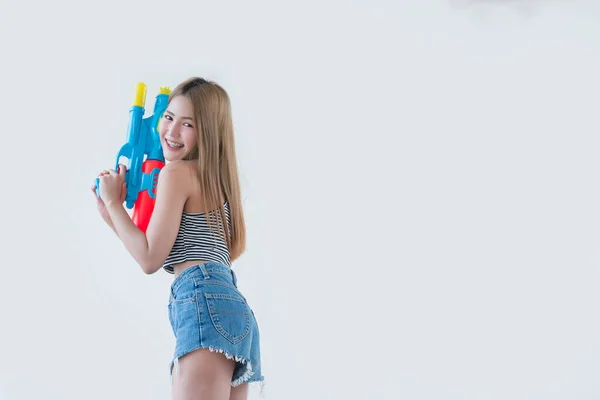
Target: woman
(217,350)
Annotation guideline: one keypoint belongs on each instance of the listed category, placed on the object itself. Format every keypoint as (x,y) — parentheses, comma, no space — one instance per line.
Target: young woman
(217,350)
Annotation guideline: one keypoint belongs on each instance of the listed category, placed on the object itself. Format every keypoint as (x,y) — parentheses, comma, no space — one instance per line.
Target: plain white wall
(420,185)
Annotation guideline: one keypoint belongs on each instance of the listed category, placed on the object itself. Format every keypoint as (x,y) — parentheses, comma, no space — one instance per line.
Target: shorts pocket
(229,314)
(179,308)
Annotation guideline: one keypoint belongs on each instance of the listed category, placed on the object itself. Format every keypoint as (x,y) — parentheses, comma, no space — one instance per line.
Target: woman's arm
(151,249)
(102,207)
(111,225)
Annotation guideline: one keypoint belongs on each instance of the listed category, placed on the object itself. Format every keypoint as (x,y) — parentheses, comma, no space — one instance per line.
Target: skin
(202,374)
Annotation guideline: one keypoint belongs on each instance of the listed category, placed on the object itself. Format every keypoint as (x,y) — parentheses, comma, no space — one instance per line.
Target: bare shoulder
(178,171)
(173,181)
(179,165)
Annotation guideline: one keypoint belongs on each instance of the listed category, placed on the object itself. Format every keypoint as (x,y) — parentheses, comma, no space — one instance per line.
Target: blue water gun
(145,155)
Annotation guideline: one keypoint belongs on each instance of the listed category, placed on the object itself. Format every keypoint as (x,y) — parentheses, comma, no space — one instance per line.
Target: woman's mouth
(173,145)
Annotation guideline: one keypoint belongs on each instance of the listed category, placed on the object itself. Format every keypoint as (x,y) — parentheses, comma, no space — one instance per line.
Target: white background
(420,186)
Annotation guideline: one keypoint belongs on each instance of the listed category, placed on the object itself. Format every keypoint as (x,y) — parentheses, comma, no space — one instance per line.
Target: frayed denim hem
(245,378)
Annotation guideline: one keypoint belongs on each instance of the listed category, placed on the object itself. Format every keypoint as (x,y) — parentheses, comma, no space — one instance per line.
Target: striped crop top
(196,242)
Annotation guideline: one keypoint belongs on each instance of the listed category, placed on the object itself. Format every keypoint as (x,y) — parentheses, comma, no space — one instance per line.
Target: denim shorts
(207,311)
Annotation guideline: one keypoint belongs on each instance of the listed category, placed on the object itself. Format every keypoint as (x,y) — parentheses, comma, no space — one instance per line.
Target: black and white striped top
(196,242)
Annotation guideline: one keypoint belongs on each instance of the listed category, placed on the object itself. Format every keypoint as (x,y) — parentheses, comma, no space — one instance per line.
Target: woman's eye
(189,125)
(167,117)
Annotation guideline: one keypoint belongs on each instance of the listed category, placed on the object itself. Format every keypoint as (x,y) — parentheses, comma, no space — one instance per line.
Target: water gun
(145,155)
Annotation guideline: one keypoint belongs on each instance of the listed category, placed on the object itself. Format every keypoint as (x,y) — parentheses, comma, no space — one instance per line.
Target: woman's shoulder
(180,169)
(177,174)
(181,165)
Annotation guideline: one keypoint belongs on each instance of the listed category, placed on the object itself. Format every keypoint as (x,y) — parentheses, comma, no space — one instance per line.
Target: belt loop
(234,277)
(204,271)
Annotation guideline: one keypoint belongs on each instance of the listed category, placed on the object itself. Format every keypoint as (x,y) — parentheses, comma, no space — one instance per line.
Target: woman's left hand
(112,185)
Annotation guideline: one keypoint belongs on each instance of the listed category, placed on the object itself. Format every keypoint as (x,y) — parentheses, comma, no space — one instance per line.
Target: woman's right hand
(100,203)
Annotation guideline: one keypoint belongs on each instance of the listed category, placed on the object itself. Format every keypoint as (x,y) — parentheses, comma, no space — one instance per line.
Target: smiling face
(178,130)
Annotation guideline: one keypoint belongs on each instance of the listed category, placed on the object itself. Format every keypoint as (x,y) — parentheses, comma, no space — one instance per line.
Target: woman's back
(197,240)
(195,202)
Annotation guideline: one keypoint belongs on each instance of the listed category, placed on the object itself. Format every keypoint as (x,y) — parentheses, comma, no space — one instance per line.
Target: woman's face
(177,129)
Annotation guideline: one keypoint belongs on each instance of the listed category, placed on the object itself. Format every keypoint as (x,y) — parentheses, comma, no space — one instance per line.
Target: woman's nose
(173,130)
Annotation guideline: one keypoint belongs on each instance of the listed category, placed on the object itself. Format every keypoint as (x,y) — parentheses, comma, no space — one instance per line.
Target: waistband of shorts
(204,270)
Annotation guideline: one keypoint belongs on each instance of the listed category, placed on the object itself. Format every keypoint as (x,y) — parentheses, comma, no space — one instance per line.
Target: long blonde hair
(216,157)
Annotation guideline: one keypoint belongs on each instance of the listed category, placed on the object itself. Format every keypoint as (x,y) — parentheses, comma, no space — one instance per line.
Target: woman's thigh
(239,392)
(203,374)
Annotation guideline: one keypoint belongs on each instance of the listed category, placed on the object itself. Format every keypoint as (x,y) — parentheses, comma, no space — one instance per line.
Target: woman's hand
(112,185)
(100,200)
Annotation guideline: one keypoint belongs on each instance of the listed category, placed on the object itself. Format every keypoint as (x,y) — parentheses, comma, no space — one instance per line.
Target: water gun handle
(144,205)
(131,186)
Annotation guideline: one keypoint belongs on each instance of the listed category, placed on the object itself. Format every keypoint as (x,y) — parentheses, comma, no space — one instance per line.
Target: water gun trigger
(125,152)
(131,197)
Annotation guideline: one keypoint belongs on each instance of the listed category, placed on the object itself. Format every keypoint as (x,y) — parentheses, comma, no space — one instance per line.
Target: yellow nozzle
(165,90)
(140,95)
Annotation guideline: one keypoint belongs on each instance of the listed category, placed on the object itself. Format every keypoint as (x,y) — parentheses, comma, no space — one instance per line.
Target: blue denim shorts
(207,311)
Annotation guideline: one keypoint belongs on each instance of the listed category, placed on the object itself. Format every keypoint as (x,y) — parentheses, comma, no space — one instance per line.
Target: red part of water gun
(144,205)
